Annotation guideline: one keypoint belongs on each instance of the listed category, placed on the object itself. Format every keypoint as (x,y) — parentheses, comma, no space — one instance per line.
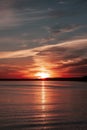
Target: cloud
(8,19)
(60,58)
(17,68)
(11,16)
(16,54)
(64,58)
(30,17)
(56,13)
(70,47)
(17,42)
(10,72)
(42,40)
(16,13)
(63,28)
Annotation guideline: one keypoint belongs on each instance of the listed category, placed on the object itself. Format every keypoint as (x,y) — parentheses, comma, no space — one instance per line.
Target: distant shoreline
(83,79)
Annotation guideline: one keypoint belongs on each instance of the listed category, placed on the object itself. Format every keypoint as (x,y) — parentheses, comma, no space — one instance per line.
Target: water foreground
(43,105)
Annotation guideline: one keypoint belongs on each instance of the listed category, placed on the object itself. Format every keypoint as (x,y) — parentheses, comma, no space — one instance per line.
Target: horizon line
(83,78)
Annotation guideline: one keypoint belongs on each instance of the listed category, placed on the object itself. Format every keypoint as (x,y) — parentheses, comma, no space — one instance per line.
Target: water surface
(43,105)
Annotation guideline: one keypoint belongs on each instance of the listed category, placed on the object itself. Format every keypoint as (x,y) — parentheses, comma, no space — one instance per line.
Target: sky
(47,36)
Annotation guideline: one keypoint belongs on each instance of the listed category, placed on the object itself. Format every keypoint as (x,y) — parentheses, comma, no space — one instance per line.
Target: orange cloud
(64,59)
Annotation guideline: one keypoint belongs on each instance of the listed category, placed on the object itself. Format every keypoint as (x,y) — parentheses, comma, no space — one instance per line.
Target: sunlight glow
(43,75)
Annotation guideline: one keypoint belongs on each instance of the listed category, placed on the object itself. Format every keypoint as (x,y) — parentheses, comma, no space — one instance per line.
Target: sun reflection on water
(43,96)
(43,102)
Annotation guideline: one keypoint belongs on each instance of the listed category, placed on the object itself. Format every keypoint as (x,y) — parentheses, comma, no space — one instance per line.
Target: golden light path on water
(43,98)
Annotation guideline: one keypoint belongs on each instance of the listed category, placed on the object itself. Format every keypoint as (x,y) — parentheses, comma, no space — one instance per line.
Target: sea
(43,105)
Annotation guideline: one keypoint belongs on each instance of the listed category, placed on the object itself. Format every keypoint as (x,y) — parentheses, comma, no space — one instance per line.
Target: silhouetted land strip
(82,79)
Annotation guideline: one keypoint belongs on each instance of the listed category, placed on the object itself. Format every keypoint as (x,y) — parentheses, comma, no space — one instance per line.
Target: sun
(43,75)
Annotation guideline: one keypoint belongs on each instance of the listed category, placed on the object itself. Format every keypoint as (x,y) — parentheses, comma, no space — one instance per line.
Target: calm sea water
(43,105)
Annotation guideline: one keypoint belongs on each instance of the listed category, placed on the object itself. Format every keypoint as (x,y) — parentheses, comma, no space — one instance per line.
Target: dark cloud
(71,54)
(63,52)
(61,28)
(53,50)
(23,4)
(77,71)
(69,9)
(56,13)
(76,64)
(66,57)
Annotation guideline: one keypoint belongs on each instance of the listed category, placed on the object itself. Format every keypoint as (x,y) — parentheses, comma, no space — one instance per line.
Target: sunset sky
(48,36)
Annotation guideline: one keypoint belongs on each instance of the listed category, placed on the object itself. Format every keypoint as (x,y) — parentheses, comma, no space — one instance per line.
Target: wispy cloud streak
(70,46)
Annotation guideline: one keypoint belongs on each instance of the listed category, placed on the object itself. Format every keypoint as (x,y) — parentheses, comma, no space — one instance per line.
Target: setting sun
(43,75)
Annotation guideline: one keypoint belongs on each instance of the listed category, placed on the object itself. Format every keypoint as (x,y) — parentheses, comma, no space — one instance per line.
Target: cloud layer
(43,34)
(65,59)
